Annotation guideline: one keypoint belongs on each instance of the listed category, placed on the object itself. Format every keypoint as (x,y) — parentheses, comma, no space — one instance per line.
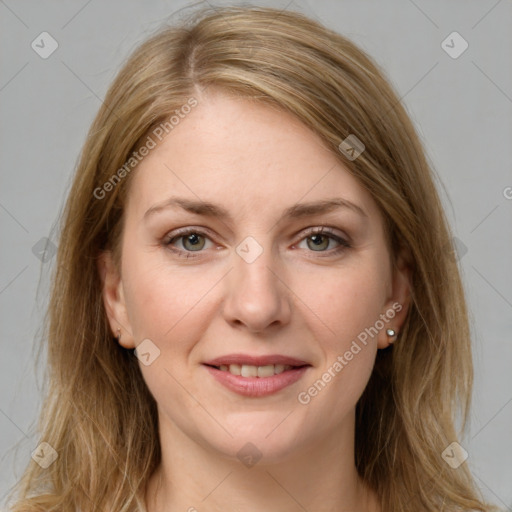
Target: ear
(113,300)
(396,308)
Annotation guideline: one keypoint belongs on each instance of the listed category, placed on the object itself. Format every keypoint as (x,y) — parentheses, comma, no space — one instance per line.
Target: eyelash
(343,244)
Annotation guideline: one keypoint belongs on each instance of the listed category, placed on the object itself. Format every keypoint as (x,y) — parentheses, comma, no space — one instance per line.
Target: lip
(255,360)
(257,386)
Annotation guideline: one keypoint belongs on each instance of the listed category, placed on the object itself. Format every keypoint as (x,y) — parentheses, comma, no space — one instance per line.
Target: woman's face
(223,271)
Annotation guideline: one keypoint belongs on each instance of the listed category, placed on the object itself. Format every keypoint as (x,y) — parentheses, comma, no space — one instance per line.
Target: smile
(256,376)
(246,370)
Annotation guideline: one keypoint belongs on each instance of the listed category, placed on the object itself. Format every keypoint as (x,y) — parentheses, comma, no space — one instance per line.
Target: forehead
(245,155)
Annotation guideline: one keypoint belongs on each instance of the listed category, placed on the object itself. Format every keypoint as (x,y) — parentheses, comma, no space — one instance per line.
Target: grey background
(462,108)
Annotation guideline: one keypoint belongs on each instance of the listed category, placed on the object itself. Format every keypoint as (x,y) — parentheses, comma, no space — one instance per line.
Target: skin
(297,298)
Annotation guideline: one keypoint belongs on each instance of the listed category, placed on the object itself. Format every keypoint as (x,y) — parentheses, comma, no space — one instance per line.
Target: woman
(254,306)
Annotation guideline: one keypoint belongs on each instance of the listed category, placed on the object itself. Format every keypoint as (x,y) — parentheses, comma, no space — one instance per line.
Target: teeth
(266,371)
(235,369)
(247,370)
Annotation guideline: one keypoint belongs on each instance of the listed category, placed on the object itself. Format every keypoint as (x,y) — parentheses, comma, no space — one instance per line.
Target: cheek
(172,308)
(165,303)
(345,302)
(344,312)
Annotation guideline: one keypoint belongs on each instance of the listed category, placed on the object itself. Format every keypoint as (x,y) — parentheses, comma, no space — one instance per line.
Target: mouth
(256,376)
(249,370)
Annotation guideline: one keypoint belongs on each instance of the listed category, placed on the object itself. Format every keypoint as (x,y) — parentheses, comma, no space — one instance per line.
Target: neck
(194,478)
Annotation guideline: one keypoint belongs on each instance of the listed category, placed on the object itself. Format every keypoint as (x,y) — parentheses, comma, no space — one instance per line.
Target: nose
(257,297)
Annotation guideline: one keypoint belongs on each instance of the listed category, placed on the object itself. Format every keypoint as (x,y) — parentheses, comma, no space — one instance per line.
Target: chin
(260,435)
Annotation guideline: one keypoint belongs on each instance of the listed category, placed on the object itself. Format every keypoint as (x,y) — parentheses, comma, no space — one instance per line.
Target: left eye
(322,241)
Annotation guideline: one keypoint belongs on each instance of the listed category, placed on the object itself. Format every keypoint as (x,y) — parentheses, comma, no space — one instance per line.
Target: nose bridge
(257,276)
(256,297)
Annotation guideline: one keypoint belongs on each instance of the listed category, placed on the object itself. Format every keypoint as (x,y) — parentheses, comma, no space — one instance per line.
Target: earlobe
(113,300)
(397,307)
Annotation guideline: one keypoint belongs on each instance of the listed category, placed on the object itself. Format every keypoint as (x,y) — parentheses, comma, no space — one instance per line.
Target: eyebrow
(296,211)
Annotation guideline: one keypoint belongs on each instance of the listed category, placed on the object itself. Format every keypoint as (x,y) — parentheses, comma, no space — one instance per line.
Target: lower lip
(257,386)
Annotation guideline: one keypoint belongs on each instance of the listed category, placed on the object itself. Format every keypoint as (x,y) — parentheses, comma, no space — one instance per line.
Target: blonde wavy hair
(98,413)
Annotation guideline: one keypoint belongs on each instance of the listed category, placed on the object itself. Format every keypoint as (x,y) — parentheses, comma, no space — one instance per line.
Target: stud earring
(392,335)
(118,337)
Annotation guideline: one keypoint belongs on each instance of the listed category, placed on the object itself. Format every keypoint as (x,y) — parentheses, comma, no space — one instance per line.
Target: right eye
(191,240)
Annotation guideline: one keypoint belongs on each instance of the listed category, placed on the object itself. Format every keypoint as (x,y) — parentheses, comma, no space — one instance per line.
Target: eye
(191,240)
(323,239)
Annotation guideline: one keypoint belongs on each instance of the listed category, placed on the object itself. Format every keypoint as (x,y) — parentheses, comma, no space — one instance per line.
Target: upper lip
(256,360)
